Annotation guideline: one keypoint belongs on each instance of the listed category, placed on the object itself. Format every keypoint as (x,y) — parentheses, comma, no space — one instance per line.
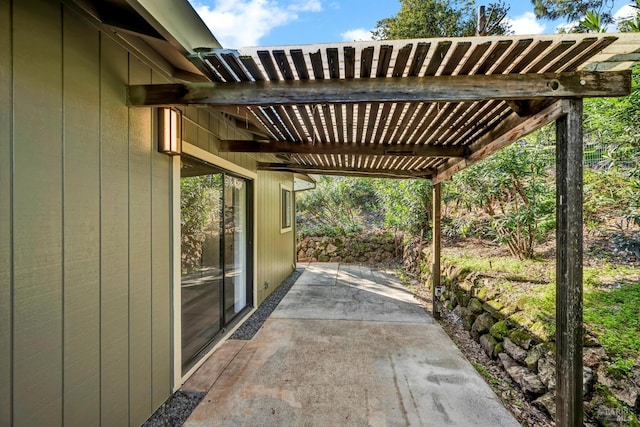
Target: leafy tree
(573,10)
(592,22)
(439,18)
(406,204)
(491,20)
(344,206)
(513,189)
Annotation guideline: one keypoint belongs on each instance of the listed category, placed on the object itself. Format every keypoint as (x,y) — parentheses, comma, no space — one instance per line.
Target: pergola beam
(344,171)
(510,130)
(460,88)
(279,147)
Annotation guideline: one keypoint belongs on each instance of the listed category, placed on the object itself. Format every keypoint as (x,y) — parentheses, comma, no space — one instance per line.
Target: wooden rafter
(460,88)
(508,131)
(243,146)
(246,119)
(344,171)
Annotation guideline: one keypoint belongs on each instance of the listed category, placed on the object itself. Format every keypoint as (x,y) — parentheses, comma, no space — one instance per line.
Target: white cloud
(239,23)
(356,35)
(625,12)
(526,24)
(568,27)
(306,6)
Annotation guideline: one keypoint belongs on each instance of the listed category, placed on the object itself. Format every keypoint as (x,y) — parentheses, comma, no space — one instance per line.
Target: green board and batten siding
(161,246)
(114,231)
(85,288)
(276,248)
(85,224)
(6,275)
(140,122)
(81,184)
(37,215)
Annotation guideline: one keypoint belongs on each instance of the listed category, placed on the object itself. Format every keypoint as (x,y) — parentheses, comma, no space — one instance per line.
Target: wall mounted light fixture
(169,131)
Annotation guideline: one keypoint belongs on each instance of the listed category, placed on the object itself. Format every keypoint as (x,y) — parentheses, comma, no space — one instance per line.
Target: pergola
(427,109)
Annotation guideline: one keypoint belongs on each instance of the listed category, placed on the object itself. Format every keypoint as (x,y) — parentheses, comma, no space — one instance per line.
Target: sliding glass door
(216,284)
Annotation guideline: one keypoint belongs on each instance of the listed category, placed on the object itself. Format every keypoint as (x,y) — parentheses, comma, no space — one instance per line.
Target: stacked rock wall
(371,248)
(526,349)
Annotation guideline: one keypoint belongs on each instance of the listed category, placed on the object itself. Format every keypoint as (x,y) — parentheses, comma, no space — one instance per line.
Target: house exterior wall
(6,271)
(275,248)
(85,224)
(90,326)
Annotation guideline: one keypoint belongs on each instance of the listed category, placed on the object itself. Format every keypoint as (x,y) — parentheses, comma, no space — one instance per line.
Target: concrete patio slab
(319,274)
(357,294)
(337,364)
(210,370)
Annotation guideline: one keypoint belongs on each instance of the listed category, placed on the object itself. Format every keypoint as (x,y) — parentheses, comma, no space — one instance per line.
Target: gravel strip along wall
(253,324)
(176,410)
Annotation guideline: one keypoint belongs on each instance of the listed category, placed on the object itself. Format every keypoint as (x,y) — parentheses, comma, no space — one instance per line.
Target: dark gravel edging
(251,326)
(176,410)
(178,407)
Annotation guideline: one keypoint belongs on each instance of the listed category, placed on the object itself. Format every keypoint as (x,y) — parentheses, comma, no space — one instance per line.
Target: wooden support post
(435,266)
(569,158)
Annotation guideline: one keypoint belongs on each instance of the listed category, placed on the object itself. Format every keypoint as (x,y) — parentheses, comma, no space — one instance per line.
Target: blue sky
(240,23)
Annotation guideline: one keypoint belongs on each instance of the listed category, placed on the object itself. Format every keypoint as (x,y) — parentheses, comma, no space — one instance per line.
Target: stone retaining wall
(371,248)
(527,352)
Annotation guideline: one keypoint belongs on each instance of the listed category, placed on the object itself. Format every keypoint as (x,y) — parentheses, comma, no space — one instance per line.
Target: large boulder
(588,380)
(521,338)
(608,412)
(625,389)
(593,356)
(499,330)
(493,307)
(506,360)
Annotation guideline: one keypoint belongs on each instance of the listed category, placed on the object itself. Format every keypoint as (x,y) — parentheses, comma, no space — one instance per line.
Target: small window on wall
(285,210)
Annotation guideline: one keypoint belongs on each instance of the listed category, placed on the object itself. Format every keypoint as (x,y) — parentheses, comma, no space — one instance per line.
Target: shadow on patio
(347,346)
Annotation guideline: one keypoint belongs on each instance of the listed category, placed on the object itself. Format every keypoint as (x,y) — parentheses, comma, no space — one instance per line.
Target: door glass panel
(235,241)
(201,204)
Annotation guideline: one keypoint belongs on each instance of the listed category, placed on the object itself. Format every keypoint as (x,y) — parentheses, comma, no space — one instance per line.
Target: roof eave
(178,23)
